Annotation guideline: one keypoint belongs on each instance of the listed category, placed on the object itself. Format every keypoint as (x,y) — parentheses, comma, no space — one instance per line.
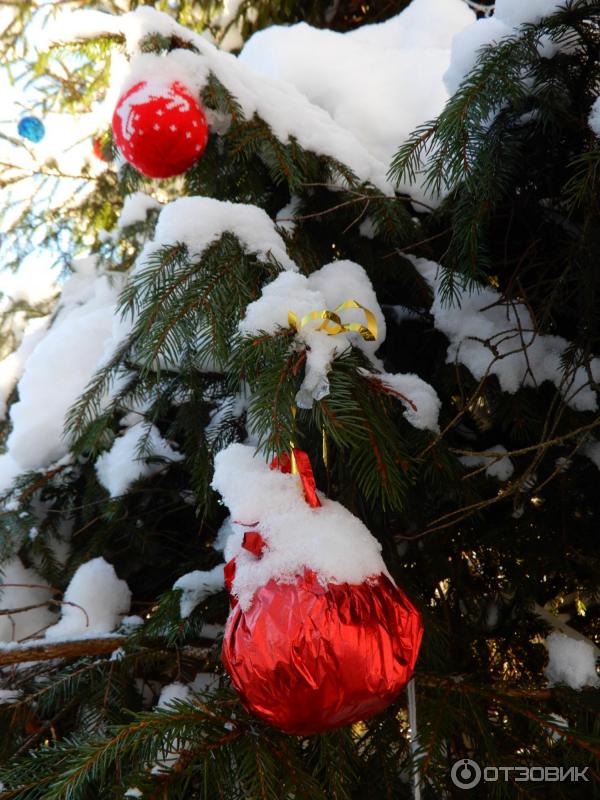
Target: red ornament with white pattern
(160,128)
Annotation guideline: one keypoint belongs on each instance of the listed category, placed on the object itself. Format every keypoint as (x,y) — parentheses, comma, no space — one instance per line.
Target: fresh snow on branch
(135,209)
(95,601)
(571,661)
(323,290)
(198,222)
(287,112)
(11,368)
(9,696)
(87,328)
(420,400)
(509,15)
(24,591)
(180,692)
(326,289)
(591,449)
(379,81)
(496,465)
(493,337)
(196,586)
(122,465)
(594,118)
(83,334)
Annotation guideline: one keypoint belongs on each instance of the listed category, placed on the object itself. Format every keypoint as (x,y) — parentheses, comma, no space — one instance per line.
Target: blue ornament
(31,128)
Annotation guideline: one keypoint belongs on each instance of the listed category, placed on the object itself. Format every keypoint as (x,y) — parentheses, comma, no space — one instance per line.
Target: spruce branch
(506,696)
(48,651)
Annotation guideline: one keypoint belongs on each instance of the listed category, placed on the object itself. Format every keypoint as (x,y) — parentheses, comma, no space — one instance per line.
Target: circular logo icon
(465,773)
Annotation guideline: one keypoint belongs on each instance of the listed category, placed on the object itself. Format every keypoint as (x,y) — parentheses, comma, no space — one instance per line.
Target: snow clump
(94,603)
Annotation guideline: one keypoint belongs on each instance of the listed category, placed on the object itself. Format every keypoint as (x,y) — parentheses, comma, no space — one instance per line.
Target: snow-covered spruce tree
(460,430)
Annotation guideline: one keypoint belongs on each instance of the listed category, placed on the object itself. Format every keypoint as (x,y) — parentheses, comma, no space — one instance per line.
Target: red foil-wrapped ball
(161,130)
(307,659)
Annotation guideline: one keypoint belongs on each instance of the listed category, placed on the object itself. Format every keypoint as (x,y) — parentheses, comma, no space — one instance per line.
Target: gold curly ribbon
(332,324)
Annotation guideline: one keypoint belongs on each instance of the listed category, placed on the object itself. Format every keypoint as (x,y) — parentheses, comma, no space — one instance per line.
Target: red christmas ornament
(161,130)
(98,150)
(307,658)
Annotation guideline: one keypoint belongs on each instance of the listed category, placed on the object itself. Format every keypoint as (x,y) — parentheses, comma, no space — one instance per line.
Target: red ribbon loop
(307,477)
(229,573)
(254,543)
(284,464)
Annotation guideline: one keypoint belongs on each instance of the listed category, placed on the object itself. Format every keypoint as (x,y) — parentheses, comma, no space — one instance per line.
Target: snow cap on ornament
(319,635)
(159,127)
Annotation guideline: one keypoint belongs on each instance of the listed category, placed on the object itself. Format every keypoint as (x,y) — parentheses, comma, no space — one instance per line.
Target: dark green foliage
(486,562)
(514,151)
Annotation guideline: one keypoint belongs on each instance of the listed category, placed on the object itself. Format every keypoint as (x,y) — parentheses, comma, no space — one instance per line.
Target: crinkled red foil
(307,659)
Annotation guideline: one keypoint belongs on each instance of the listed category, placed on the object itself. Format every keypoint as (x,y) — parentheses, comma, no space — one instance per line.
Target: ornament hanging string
(325,447)
(332,324)
(293,464)
(414,736)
